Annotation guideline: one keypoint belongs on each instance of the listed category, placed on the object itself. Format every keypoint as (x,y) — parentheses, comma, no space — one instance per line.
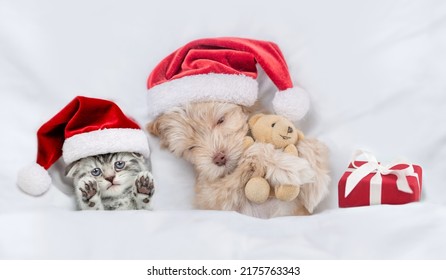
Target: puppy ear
(316,153)
(252,120)
(154,127)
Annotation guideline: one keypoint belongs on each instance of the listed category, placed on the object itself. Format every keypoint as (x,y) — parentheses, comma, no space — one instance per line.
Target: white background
(375,71)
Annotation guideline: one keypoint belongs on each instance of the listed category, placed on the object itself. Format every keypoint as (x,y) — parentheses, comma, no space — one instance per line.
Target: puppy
(210,136)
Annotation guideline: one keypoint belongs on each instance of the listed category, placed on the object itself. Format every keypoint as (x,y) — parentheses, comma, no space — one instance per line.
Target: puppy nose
(219,159)
(290,129)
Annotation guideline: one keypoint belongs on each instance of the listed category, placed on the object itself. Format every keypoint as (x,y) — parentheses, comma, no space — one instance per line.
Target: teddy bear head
(274,129)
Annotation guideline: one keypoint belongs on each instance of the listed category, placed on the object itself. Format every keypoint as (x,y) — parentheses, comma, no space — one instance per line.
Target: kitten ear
(71,169)
(137,155)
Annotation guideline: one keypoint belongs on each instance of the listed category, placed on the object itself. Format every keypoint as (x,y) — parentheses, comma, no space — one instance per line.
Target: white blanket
(376,74)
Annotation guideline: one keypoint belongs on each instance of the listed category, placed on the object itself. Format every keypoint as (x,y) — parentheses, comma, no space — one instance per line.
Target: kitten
(116,181)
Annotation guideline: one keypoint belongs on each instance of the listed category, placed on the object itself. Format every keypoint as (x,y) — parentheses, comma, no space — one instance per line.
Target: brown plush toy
(280,132)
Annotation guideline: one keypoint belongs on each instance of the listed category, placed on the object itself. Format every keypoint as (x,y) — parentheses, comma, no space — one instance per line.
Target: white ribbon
(372,166)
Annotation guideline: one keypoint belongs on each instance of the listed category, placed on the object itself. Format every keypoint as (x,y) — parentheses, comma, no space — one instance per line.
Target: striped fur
(116,181)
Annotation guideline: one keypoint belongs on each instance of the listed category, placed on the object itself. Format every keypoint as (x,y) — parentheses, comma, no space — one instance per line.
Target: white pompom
(34,179)
(292,103)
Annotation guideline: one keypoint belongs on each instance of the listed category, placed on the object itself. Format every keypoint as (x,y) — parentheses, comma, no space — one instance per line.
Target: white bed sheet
(376,74)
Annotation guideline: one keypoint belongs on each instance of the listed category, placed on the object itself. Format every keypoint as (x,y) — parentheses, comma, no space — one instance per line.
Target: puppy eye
(191,148)
(273,124)
(220,120)
(119,165)
(96,172)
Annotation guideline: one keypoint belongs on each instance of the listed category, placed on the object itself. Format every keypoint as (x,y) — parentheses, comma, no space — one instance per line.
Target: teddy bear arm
(247,142)
(287,192)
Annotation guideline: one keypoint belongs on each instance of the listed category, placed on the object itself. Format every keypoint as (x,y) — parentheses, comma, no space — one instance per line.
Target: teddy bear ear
(252,120)
(300,135)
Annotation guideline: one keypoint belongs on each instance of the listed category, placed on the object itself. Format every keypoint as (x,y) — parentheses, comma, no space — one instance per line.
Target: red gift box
(369,183)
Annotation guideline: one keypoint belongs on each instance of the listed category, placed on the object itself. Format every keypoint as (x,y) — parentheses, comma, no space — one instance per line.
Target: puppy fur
(210,136)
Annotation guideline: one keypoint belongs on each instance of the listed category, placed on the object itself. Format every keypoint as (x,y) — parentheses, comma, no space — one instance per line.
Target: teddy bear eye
(273,124)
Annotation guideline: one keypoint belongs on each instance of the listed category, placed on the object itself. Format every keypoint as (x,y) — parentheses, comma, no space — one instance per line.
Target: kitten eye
(119,165)
(96,172)
(221,120)
(273,124)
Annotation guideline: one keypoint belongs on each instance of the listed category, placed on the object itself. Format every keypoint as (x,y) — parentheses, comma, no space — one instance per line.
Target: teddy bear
(279,131)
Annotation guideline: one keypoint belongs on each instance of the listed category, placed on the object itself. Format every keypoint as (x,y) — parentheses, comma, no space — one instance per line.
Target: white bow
(371,166)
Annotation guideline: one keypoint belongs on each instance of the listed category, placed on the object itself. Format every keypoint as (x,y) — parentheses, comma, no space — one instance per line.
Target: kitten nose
(110,178)
(219,159)
(290,129)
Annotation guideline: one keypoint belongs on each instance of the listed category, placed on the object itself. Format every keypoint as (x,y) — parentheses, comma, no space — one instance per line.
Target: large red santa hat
(224,69)
(85,127)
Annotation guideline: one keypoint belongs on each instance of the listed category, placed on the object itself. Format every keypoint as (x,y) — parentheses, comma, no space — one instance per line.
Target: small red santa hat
(85,127)
(224,69)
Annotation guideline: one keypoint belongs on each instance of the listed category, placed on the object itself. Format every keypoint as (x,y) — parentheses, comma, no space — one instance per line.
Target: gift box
(369,183)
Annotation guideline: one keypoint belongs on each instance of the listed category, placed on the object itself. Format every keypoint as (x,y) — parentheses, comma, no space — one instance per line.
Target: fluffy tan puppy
(210,136)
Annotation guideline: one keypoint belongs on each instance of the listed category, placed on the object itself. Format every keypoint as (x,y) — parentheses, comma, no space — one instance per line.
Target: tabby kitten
(116,181)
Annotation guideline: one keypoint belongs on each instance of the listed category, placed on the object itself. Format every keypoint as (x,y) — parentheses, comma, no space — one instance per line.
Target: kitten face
(208,134)
(115,173)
